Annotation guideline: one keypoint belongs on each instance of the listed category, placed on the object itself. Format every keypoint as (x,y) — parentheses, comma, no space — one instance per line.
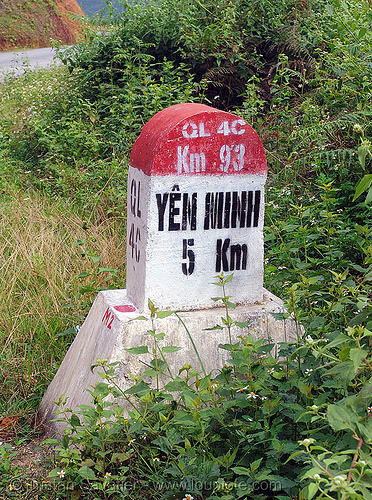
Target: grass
(41,295)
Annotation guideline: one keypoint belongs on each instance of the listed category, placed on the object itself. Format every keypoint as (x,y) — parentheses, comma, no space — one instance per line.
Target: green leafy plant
(233,436)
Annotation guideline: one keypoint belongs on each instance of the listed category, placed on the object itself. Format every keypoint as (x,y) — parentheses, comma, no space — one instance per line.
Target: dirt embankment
(33,23)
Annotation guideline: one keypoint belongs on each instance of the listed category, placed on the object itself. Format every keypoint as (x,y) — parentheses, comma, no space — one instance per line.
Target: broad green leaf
(170,348)
(255,465)
(366,431)
(175,385)
(369,196)
(141,349)
(340,417)
(312,488)
(74,420)
(362,186)
(101,389)
(357,356)
(361,317)
(242,471)
(163,314)
(344,370)
(159,336)
(86,473)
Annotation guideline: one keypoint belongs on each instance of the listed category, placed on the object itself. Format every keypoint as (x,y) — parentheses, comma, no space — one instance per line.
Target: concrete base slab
(111,327)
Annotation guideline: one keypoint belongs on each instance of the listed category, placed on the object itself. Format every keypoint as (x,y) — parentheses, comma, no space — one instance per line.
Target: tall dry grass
(40,292)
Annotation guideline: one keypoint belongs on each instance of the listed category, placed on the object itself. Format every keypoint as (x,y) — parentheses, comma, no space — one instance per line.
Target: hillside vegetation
(34,23)
(297,426)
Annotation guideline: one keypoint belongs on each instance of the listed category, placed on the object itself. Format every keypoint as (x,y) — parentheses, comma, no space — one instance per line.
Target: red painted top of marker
(195,139)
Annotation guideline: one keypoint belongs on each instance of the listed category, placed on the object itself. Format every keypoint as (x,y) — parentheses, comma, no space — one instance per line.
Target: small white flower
(307,441)
(188,497)
(271,370)
(156,459)
(61,473)
(369,409)
(215,385)
(339,480)
(131,441)
(308,372)
(252,395)
(243,389)
(108,474)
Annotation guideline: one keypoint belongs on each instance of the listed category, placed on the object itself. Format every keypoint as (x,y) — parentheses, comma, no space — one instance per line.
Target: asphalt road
(18,62)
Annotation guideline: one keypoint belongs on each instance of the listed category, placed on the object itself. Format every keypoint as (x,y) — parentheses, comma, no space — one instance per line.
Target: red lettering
(108,318)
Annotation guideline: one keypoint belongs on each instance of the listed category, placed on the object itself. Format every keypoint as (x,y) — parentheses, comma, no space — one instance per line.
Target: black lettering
(138,238)
(213,210)
(226,222)
(221,257)
(173,211)
(238,257)
(138,199)
(220,210)
(131,239)
(134,238)
(190,255)
(256,211)
(189,211)
(161,209)
(250,207)
(239,209)
(133,192)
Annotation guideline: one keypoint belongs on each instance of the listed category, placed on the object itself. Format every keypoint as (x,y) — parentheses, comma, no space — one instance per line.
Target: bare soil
(33,23)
